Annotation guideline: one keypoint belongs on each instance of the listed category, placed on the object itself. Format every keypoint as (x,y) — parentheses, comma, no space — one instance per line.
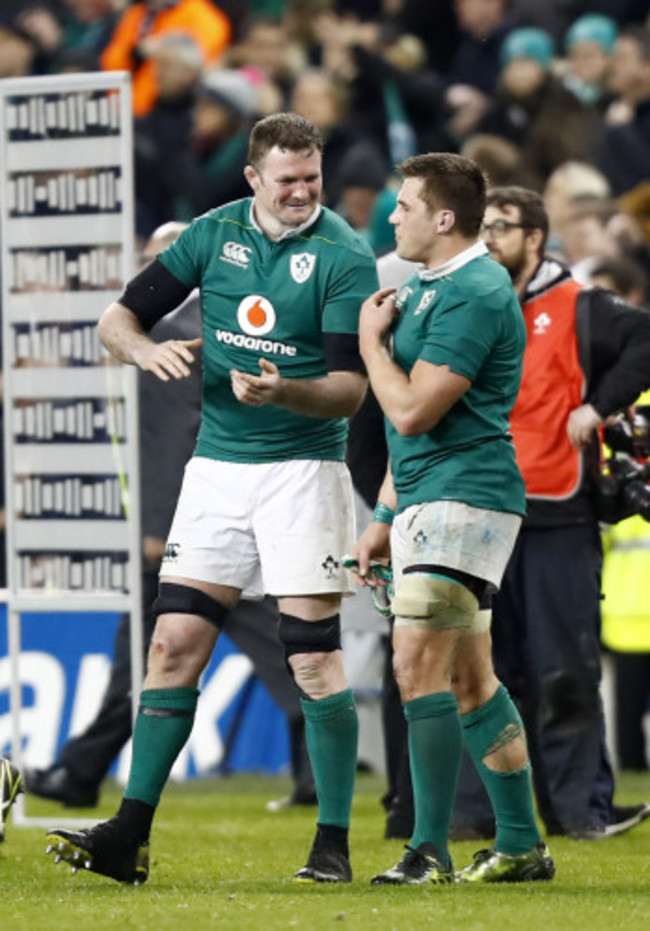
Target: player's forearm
(338,394)
(121,333)
(392,387)
(387,494)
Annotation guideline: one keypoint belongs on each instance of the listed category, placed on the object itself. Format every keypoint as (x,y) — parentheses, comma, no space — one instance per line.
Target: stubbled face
(287,186)
(415,234)
(507,246)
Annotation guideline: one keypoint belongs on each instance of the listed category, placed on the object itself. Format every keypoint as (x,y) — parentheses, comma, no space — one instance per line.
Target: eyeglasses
(499,228)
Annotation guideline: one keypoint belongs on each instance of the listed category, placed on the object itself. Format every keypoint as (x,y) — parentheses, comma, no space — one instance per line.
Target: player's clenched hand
(172,358)
(374,543)
(378,313)
(257,389)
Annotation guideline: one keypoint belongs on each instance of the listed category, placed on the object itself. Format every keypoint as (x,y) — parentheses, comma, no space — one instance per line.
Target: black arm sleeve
(620,352)
(342,353)
(153,293)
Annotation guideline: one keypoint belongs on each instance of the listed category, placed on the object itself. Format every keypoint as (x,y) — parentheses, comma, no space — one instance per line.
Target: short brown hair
(284,130)
(531,207)
(452,182)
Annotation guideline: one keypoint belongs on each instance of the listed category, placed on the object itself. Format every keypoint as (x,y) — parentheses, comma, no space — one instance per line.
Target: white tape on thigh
(482,621)
(432,603)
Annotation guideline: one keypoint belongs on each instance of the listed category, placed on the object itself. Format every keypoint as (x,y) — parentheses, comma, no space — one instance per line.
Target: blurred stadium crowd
(554,96)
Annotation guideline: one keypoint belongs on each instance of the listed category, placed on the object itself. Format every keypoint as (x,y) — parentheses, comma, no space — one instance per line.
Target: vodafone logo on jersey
(256,318)
(256,315)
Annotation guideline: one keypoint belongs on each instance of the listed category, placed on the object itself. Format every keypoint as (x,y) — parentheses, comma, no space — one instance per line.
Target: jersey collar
(288,234)
(462,258)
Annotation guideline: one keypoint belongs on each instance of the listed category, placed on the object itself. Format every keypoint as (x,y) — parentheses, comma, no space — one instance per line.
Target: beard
(514,264)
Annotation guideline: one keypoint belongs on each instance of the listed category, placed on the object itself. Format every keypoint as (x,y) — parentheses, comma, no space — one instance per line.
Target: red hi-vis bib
(552,386)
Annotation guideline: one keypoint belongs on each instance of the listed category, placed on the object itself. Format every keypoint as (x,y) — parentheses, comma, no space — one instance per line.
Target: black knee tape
(183,599)
(476,586)
(298,636)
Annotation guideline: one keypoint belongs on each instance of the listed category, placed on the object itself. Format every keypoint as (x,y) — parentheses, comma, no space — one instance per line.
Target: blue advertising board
(64,667)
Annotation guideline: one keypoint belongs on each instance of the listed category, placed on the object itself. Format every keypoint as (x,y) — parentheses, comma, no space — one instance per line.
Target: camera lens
(637,496)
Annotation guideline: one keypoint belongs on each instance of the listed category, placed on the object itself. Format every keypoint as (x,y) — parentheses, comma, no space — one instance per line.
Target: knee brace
(183,599)
(430,602)
(298,636)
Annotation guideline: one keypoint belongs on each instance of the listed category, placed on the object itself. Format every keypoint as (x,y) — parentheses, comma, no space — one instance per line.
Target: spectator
(211,172)
(395,97)
(88,24)
(588,236)
(128,49)
(589,44)
(164,134)
(571,183)
(531,104)
(500,159)
(623,275)
(265,48)
(347,157)
(625,153)
(474,71)
(17,51)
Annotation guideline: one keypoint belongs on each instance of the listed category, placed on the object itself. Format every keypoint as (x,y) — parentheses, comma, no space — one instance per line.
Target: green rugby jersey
(465,315)
(268,299)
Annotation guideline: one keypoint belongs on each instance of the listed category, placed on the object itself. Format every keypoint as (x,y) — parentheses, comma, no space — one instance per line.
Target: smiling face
(287,187)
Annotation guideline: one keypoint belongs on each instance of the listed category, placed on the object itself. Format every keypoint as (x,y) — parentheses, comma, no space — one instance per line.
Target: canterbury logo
(542,323)
(236,254)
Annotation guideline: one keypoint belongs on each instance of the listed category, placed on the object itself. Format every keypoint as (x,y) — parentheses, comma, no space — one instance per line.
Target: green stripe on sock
(157,740)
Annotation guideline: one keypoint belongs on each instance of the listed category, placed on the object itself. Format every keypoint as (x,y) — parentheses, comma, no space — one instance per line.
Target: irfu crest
(302,265)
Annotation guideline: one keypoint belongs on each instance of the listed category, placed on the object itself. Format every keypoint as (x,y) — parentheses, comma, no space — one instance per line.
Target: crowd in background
(554,96)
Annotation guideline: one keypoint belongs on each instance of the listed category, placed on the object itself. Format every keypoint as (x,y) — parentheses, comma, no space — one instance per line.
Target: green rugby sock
(162,726)
(435,746)
(511,793)
(332,733)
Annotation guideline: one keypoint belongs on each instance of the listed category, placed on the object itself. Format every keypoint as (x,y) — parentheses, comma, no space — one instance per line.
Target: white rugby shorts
(456,535)
(277,528)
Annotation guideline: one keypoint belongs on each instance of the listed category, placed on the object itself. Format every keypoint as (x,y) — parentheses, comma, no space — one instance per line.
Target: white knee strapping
(432,603)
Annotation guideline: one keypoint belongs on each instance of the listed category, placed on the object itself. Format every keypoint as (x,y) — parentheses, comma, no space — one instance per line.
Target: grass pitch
(219,860)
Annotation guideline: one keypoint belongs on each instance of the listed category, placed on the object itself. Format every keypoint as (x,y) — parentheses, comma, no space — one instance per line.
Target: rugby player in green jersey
(266,503)
(444,358)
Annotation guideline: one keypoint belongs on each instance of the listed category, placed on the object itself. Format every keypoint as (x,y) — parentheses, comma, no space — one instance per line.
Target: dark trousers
(546,645)
(252,627)
(399,791)
(632,698)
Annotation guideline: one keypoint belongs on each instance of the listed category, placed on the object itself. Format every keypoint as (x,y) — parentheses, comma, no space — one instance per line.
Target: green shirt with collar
(466,315)
(269,299)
